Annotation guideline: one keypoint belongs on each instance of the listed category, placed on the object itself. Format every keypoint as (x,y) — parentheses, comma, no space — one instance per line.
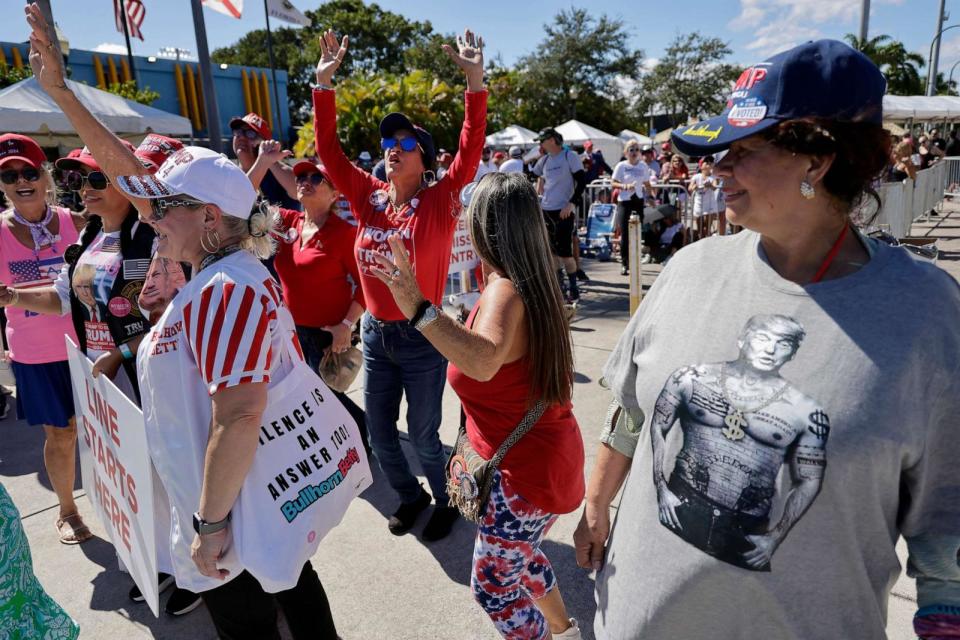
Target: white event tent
(25,108)
(575,133)
(627,135)
(514,135)
(921,108)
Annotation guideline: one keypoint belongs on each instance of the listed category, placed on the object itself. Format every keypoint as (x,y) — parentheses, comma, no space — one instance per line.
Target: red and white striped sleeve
(229,328)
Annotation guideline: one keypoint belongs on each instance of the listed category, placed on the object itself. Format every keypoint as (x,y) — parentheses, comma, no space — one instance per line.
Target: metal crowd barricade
(675,192)
(903,203)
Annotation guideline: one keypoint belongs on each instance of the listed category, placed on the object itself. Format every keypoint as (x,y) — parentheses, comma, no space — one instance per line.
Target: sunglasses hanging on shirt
(73,180)
(11,176)
(407,144)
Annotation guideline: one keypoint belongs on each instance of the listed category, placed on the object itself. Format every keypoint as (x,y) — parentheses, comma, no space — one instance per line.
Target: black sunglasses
(249,134)
(10,176)
(314,178)
(159,206)
(73,180)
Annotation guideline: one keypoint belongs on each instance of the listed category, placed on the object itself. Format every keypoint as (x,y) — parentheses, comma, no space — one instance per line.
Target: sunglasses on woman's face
(160,206)
(313,178)
(242,132)
(407,144)
(10,176)
(73,180)
(633,150)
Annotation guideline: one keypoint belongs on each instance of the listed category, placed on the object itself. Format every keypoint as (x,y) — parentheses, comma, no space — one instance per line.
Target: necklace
(41,235)
(213,257)
(736,420)
(397,205)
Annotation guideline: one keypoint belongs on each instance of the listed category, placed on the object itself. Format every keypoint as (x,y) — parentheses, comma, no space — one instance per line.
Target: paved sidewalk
(380,586)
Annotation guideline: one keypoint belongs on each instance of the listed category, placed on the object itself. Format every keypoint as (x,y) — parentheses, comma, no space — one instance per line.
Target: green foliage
(363,100)
(899,66)
(578,66)
(10,75)
(128,90)
(690,80)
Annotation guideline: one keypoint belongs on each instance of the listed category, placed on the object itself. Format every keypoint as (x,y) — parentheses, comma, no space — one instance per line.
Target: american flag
(35,273)
(136,269)
(111,244)
(135,14)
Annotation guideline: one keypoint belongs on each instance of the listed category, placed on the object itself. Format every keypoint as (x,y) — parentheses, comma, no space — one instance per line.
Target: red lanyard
(834,250)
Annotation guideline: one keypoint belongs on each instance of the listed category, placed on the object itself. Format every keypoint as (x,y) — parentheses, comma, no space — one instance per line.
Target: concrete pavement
(380,586)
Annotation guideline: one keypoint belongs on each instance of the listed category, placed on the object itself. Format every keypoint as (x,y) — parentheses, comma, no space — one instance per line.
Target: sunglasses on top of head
(73,180)
(243,132)
(407,144)
(10,176)
(313,178)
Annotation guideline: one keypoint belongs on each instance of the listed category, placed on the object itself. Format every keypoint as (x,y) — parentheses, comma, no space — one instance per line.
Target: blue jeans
(398,360)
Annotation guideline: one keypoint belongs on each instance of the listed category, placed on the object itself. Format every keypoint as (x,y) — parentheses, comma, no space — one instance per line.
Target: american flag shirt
(34,338)
(228,326)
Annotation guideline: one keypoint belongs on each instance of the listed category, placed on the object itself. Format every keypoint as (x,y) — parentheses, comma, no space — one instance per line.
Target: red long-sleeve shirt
(425,224)
(314,277)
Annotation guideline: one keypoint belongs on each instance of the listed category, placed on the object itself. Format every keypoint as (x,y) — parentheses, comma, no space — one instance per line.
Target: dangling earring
(807,190)
(215,242)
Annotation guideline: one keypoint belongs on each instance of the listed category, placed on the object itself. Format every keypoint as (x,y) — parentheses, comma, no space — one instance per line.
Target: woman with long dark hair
(422,211)
(514,351)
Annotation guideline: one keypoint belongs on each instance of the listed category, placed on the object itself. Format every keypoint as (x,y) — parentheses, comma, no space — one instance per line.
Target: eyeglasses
(249,134)
(407,144)
(73,180)
(10,176)
(633,150)
(313,178)
(159,206)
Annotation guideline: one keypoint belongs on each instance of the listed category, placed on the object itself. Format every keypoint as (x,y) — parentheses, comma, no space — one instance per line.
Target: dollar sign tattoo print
(741,423)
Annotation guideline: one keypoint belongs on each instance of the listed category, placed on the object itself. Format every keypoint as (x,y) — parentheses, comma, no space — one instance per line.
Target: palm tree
(901,67)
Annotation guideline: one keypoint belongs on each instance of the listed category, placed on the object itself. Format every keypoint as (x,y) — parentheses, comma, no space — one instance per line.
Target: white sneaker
(573,633)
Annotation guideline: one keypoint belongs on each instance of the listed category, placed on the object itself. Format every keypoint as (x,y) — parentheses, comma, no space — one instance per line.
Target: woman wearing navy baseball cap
(810,417)
(422,211)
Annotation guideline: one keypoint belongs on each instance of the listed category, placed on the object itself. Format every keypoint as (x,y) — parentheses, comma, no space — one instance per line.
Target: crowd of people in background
(173,240)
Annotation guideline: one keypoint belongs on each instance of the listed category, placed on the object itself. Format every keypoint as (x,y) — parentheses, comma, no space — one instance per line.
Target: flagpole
(126,37)
(206,77)
(273,73)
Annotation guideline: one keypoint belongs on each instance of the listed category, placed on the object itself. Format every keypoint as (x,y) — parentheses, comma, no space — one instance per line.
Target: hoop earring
(429,177)
(215,241)
(807,190)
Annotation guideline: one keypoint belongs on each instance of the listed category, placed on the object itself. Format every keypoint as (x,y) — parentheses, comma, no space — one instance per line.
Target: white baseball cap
(202,174)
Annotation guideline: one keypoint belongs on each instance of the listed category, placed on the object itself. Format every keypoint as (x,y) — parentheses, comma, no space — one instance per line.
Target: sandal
(74,534)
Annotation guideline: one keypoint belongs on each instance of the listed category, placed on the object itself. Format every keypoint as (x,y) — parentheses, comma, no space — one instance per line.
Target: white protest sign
(463,256)
(116,470)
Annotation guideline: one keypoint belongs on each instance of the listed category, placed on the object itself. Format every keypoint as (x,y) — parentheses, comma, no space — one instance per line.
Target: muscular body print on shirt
(741,423)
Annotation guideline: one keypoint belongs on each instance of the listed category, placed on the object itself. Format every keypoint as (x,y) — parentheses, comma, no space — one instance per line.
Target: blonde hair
(258,234)
(630,143)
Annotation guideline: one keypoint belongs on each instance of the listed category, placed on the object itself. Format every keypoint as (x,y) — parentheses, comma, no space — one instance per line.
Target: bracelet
(321,86)
(125,351)
(347,324)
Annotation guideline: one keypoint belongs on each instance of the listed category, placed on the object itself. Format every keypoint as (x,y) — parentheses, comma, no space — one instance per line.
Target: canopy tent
(514,135)
(27,109)
(575,133)
(663,136)
(921,108)
(627,135)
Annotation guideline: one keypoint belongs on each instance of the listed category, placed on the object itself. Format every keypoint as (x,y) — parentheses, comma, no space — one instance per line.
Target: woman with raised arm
(809,417)
(512,361)
(422,211)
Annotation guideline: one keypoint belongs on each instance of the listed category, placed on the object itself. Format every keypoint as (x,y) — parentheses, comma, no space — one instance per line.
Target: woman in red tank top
(515,350)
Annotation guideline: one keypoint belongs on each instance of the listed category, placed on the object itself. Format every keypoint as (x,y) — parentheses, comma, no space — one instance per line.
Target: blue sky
(754,28)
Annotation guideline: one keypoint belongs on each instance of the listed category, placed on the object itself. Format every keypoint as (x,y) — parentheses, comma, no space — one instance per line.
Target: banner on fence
(116,470)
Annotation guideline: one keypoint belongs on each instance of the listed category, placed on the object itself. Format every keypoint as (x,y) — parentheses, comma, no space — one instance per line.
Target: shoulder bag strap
(529,420)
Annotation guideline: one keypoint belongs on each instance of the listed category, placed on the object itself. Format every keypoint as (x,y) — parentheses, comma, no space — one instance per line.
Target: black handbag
(469,476)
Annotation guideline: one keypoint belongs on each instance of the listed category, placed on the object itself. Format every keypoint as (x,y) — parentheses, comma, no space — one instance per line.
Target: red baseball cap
(588,144)
(499,154)
(14,146)
(305,166)
(255,122)
(84,158)
(155,149)
(665,146)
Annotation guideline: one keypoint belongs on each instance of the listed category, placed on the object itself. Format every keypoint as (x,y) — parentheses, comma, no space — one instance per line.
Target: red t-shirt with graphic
(425,224)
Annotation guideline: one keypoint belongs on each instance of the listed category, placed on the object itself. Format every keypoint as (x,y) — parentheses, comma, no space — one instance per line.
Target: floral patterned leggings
(509,570)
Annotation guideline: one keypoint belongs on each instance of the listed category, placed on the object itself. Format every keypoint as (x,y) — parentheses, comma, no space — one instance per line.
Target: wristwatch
(203,527)
(429,316)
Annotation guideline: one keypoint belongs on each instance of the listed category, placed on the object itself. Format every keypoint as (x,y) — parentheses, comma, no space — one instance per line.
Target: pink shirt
(34,338)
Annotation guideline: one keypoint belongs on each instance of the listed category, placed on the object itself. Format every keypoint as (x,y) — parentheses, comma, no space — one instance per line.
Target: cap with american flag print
(202,174)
